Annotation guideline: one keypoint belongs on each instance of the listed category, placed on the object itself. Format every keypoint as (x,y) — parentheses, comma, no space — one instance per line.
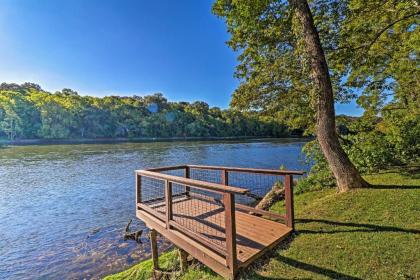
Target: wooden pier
(206,212)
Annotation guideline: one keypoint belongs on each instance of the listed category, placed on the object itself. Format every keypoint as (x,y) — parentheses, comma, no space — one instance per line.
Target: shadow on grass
(361,227)
(410,171)
(392,187)
(298,265)
(310,268)
(251,272)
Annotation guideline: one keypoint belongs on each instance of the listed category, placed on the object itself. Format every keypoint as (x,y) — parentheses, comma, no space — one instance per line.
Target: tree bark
(275,194)
(344,171)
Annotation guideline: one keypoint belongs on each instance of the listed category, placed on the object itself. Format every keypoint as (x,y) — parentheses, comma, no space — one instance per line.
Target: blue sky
(120,47)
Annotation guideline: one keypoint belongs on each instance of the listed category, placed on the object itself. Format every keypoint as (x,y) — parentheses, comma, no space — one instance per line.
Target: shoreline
(24,142)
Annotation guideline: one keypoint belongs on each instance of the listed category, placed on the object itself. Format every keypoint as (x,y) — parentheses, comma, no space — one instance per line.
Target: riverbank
(368,233)
(23,142)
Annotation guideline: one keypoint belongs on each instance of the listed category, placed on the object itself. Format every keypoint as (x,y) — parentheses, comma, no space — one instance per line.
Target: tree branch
(388,27)
(368,46)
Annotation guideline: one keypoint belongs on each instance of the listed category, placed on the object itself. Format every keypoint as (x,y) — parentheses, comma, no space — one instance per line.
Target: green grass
(369,233)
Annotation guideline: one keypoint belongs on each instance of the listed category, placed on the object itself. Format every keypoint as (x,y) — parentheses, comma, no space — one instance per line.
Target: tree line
(29,112)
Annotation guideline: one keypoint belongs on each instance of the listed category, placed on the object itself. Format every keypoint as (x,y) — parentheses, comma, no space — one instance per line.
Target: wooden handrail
(248,170)
(193,183)
(227,168)
(166,168)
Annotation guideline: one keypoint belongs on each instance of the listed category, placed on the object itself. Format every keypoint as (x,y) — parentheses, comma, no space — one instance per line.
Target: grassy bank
(364,234)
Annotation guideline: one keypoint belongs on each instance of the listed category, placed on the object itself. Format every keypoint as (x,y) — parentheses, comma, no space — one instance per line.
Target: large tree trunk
(344,171)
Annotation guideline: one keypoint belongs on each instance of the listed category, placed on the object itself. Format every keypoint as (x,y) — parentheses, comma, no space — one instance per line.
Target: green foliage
(378,53)
(375,143)
(26,111)
(372,143)
(370,151)
(378,48)
(320,175)
(402,129)
(272,68)
(18,116)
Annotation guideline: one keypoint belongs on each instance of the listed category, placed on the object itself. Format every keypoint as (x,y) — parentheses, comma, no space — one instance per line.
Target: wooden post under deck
(183,259)
(153,246)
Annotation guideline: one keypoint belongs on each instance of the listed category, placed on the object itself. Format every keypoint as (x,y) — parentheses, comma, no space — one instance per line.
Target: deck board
(254,234)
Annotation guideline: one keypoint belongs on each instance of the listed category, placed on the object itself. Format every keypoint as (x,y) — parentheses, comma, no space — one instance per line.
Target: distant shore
(23,142)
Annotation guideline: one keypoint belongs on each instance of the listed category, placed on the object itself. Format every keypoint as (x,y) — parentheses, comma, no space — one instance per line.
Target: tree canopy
(371,48)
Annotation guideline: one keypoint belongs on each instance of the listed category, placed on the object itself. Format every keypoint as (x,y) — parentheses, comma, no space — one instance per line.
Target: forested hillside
(28,112)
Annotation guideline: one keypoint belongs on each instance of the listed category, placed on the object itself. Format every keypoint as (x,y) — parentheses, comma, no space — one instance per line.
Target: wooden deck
(253,234)
(202,219)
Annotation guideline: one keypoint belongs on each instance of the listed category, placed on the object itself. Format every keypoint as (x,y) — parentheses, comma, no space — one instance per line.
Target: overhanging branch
(377,36)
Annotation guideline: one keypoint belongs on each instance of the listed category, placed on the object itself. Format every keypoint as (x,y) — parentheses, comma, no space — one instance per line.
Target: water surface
(63,208)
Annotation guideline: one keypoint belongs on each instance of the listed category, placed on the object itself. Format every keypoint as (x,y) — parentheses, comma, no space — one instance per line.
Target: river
(63,208)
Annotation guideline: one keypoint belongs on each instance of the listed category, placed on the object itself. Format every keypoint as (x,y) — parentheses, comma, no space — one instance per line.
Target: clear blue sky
(120,47)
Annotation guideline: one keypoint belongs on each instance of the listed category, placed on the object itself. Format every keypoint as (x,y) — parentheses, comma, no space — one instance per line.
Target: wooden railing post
(288,193)
(168,202)
(138,189)
(187,175)
(230,227)
(225,177)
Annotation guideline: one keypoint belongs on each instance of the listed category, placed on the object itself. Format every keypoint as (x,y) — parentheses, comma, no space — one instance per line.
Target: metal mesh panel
(206,175)
(153,192)
(177,189)
(200,211)
(258,184)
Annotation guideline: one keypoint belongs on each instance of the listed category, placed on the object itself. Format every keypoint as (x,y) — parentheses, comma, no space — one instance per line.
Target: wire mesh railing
(200,201)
